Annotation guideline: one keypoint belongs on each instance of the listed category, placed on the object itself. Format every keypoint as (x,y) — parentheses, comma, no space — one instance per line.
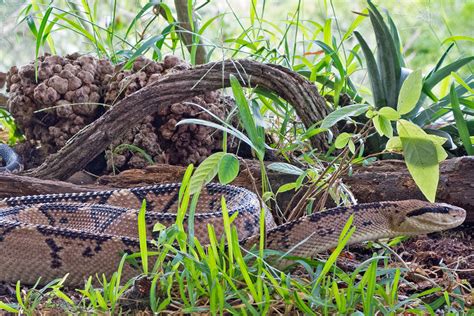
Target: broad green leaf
(228,168)
(285,168)
(342,140)
(205,172)
(383,126)
(351,146)
(394,144)
(410,92)
(408,129)
(343,113)
(396,40)
(286,187)
(422,163)
(389,113)
(461,122)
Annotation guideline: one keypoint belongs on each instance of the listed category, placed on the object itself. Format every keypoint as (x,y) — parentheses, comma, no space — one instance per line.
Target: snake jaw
(431,217)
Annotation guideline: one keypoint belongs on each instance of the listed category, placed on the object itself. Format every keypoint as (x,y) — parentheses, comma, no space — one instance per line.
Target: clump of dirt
(53,98)
(157,135)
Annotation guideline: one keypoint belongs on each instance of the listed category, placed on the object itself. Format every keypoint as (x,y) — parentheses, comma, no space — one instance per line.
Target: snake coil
(84,233)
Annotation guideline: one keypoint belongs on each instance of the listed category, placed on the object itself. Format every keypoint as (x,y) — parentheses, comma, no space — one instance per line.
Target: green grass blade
(442,73)
(39,37)
(142,237)
(461,122)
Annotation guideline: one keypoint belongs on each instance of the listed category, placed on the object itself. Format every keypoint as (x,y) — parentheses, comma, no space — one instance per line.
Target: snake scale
(85,233)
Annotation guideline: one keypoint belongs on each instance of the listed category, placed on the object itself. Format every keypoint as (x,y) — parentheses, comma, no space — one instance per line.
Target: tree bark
(384,180)
(381,181)
(17,185)
(186,34)
(94,138)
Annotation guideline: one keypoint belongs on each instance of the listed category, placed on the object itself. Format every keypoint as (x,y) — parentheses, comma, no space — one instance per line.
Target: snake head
(423,217)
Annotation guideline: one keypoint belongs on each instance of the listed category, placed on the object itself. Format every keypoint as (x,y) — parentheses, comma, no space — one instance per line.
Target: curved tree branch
(94,138)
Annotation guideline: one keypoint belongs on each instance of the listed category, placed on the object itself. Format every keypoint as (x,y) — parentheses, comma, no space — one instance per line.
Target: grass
(182,275)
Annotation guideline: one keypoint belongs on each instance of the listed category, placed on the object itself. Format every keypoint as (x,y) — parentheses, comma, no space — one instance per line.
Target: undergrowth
(180,275)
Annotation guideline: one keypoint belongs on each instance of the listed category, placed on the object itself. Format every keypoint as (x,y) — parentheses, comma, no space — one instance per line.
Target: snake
(44,237)
(11,159)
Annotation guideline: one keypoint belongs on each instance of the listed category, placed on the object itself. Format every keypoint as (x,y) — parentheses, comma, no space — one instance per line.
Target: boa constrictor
(86,233)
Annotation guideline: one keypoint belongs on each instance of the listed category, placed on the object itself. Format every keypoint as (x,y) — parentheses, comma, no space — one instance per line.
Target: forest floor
(443,260)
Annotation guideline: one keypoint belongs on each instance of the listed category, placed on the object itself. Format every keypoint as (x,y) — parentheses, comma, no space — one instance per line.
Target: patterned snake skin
(85,234)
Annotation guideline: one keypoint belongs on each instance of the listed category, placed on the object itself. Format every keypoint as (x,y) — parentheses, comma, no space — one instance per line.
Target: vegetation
(425,113)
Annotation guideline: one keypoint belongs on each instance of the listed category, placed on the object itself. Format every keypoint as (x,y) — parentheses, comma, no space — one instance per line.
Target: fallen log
(383,180)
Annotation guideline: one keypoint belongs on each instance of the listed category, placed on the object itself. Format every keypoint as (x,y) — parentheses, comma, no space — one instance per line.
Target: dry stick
(297,210)
(299,206)
(94,138)
(342,168)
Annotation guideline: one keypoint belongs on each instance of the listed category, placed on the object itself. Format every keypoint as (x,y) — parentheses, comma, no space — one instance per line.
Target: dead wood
(17,185)
(94,138)
(384,180)
(381,181)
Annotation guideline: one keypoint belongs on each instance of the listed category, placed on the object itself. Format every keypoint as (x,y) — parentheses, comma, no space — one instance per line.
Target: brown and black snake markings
(84,234)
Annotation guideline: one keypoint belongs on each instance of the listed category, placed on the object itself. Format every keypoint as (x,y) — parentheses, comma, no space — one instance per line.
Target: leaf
(410,92)
(342,140)
(394,144)
(460,122)
(205,172)
(8,308)
(228,168)
(440,74)
(286,187)
(343,113)
(335,58)
(422,163)
(39,36)
(383,126)
(458,38)
(247,119)
(142,237)
(389,65)
(408,129)
(389,113)
(285,168)
(376,83)
(149,43)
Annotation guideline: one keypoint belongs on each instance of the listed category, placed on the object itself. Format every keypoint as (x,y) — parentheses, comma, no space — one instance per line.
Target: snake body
(87,233)
(10,158)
